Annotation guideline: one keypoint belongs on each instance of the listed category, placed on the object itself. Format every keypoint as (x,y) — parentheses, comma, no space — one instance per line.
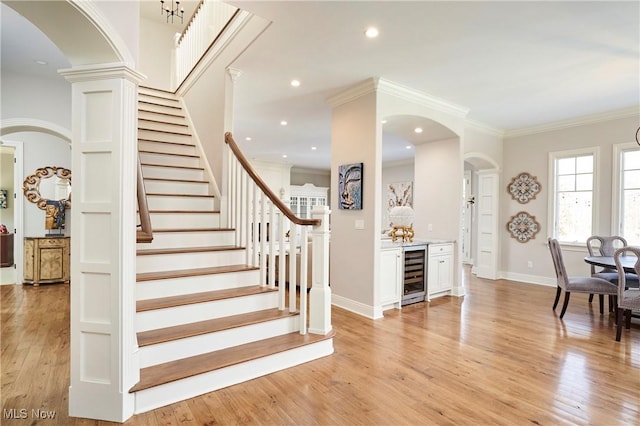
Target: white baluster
(292,267)
(303,280)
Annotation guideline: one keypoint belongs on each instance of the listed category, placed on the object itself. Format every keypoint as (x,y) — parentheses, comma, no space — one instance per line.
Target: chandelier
(174,11)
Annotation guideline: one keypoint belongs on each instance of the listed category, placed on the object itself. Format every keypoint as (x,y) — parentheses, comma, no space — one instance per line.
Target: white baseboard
(529,279)
(367,311)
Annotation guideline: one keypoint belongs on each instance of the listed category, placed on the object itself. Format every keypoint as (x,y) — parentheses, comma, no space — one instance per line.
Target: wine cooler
(414,274)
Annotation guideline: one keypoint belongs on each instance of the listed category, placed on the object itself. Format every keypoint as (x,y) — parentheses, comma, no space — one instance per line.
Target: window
(627,187)
(573,174)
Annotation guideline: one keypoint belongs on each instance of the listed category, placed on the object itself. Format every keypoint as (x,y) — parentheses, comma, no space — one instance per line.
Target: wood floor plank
(499,355)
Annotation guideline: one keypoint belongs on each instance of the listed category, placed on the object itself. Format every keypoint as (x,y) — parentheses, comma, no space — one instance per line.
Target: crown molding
(420,98)
(359,90)
(574,122)
(485,128)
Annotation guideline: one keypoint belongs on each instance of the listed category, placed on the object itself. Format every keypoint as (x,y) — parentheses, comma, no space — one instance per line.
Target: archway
(103,365)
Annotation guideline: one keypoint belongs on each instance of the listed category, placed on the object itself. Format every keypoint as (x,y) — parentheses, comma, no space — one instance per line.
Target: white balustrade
(270,237)
(206,24)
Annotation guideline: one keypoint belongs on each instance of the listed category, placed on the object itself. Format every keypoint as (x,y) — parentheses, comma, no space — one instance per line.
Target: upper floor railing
(286,248)
(205,26)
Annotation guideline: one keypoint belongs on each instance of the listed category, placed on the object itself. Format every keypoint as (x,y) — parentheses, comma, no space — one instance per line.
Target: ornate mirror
(48,184)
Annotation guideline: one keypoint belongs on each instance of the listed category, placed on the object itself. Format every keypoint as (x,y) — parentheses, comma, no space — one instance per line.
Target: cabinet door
(391,270)
(440,276)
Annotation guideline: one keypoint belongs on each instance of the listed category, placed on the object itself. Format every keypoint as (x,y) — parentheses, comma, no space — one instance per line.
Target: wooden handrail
(144,235)
(228,138)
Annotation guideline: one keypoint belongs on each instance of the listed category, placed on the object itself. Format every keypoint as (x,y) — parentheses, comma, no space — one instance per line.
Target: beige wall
(530,153)
(156,49)
(356,137)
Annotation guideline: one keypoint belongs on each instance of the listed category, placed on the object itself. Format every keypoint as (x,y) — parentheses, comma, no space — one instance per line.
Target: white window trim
(551,203)
(616,182)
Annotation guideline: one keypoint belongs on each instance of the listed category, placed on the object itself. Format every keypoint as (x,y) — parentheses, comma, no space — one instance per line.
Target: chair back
(607,247)
(558,263)
(622,276)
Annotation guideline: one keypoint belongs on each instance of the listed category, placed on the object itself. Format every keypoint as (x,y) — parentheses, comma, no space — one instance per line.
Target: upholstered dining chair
(591,285)
(606,247)
(628,297)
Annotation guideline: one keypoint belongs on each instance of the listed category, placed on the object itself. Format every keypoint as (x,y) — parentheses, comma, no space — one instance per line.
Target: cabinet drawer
(52,242)
(435,249)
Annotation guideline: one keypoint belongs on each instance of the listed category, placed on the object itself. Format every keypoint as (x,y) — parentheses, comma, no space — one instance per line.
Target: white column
(320,293)
(104,363)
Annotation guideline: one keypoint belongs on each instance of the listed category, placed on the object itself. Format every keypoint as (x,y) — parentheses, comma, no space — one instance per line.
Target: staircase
(203,319)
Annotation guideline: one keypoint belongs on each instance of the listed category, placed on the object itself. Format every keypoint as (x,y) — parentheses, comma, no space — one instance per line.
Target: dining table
(628,262)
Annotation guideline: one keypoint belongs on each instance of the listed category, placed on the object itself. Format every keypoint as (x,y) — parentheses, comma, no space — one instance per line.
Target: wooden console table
(46,260)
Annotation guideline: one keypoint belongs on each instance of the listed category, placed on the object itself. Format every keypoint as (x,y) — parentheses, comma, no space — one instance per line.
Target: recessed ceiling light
(284,155)
(418,130)
(408,146)
(313,148)
(295,83)
(283,123)
(371,32)
(40,62)
(248,138)
(384,121)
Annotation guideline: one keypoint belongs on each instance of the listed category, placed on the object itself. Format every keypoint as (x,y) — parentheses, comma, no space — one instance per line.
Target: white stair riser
(161,109)
(167,116)
(162,126)
(166,137)
(197,284)
(178,315)
(196,345)
(172,172)
(190,387)
(189,239)
(162,99)
(178,261)
(169,160)
(168,148)
(176,187)
(184,220)
(169,202)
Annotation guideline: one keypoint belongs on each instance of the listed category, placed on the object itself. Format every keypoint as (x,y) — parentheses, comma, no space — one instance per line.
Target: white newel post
(104,361)
(320,293)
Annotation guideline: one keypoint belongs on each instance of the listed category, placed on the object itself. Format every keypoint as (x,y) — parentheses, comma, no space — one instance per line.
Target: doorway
(11,160)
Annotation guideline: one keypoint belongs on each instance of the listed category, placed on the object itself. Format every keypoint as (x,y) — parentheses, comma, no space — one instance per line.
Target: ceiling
(513,65)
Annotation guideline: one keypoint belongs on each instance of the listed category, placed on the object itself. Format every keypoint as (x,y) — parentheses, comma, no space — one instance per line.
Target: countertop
(386,243)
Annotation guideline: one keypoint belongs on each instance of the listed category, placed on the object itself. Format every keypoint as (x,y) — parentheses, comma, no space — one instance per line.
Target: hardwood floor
(499,355)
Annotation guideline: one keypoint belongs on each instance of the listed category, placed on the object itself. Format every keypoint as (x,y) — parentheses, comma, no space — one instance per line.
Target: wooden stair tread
(161,335)
(177,180)
(171,166)
(207,296)
(161,275)
(188,367)
(193,230)
(150,111)
(158,104)
(164,194)
(164,131)
(184,211)
(148,252)
(162,122)
(168,153)
(183,144)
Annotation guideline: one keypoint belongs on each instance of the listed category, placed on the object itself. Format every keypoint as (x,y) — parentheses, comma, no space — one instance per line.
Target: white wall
(156,49)
(530,153)
(438,190)
(41,150)
(277,176)
(393,173)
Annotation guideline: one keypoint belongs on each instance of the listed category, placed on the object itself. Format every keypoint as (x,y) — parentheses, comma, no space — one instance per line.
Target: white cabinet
(390,278)
(303,197)
(440,272)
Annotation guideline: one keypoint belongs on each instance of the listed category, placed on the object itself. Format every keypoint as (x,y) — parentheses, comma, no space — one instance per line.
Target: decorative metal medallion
(523,227)
(524,188)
